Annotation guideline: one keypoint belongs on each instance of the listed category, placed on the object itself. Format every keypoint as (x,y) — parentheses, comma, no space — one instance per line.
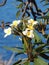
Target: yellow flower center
(30,26)
(28,33)
(15,23)
(8,31)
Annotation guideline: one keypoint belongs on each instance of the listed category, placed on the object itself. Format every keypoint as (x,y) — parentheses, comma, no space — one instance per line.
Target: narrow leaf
(45,51)
(18,14)
(40,47)
(39,61)
(26,63)
(37,37)
(20,5)
(13,49)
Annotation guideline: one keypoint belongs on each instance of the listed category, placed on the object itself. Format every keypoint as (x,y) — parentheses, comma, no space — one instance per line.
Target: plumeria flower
(31,24)
(28,33)
(7,32)
(31,21)
(30,27)
(15,23)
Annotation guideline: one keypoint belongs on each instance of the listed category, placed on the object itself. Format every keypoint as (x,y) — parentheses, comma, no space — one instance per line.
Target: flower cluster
(28,31)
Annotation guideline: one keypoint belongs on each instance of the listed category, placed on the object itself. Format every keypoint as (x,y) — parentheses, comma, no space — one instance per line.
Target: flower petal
(31,34)
(15,23)
(32,22)
(7,32)
(24,32)
(28,33)
(5,35)
(35,22)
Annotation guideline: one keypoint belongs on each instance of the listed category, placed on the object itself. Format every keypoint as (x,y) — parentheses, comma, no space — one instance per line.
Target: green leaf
(39,48)
(48,14)
(39,61)
(27,63)
(45,51)
(13,49)
(20,5)
(46,1)
(24,45)
(37,37)
(43,17)
(18,14)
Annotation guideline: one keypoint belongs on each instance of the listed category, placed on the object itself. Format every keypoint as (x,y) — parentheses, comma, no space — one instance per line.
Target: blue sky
(8,12)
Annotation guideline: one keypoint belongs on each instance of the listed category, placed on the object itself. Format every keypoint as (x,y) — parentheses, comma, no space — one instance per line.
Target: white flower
(15,23)
(28,33)
(32,22)
(7,32)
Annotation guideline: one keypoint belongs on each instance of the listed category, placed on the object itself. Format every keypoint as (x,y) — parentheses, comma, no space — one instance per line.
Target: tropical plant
(30,30)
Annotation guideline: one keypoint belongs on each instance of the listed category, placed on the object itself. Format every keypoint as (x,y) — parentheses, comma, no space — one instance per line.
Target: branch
(3,3)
